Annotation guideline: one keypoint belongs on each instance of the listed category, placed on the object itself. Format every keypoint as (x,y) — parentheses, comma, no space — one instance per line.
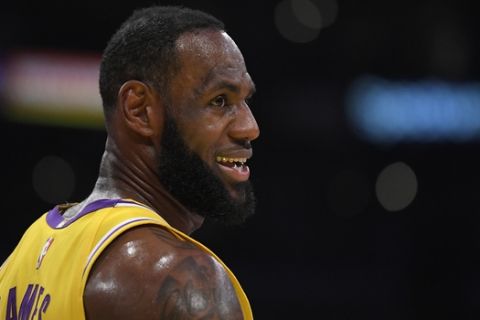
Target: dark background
(300,257)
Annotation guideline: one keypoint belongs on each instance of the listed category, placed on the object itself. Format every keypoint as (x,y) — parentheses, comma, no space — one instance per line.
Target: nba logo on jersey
(42,254)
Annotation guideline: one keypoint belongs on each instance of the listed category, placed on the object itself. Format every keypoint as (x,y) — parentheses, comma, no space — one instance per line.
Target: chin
(238,192)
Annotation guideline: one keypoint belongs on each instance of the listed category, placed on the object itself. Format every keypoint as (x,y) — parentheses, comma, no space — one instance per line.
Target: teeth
(231,160)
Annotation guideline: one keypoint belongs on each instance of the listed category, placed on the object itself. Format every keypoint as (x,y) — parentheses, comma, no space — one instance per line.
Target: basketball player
(175,88)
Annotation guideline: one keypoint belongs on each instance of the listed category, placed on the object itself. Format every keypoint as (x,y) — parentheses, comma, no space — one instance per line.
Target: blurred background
(366,171)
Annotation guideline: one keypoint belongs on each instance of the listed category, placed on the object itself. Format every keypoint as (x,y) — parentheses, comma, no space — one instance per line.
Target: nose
(244,127)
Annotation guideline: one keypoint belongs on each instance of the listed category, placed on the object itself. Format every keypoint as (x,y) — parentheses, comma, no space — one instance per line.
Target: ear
(138,107)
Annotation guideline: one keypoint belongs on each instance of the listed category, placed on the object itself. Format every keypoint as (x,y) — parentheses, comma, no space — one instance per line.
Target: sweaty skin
(147,273)
(159,277)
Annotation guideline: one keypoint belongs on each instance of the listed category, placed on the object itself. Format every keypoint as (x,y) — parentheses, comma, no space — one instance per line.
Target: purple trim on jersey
(55,219)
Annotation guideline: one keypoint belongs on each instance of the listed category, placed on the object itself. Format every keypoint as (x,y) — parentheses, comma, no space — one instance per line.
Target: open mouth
(232,162)
(235,169)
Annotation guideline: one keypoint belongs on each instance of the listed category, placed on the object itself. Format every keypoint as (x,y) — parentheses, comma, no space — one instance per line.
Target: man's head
(190,92)
(143,48)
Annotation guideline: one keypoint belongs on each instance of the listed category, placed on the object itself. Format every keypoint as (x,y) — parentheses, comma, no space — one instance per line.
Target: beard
(189,180)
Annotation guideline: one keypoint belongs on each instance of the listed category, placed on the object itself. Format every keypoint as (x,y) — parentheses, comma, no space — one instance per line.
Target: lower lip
(240,174)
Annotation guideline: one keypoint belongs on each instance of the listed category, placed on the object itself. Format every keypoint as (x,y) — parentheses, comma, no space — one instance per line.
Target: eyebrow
(231,86)
(221,84)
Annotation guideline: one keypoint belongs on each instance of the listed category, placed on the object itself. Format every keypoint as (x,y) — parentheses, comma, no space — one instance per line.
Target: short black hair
(143,48)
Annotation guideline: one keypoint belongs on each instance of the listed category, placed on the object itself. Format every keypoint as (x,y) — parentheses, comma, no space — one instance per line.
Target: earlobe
(136,106)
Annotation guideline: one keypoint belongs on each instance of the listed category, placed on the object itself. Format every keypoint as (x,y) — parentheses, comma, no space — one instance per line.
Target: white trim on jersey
(109,234)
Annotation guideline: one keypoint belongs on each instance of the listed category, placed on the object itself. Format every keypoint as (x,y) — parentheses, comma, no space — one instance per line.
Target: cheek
(204,139)
(204,131)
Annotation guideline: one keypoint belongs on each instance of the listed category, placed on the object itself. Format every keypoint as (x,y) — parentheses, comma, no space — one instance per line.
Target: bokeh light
(51,87)
(300,21)
(387,111)
(396,186)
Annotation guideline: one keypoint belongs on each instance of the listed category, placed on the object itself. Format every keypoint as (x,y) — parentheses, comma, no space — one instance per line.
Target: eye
(219,101)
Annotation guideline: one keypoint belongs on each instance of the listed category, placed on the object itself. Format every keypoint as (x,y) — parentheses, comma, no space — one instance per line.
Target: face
(209,128)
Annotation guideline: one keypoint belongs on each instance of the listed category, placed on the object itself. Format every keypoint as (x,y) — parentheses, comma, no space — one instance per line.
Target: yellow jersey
(46,274)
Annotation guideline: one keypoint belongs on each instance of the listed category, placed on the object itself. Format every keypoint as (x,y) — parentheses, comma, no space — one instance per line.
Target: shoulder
(148,273)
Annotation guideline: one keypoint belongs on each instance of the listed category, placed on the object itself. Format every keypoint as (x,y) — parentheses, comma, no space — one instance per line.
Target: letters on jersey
(33,304)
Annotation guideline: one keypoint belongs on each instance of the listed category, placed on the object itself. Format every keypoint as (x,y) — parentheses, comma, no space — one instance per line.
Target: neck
(131,177)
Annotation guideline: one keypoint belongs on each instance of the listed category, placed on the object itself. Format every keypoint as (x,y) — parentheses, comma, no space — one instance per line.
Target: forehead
(206,55)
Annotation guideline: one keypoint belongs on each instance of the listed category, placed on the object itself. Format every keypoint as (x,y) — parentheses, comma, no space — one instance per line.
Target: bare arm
(147,273)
